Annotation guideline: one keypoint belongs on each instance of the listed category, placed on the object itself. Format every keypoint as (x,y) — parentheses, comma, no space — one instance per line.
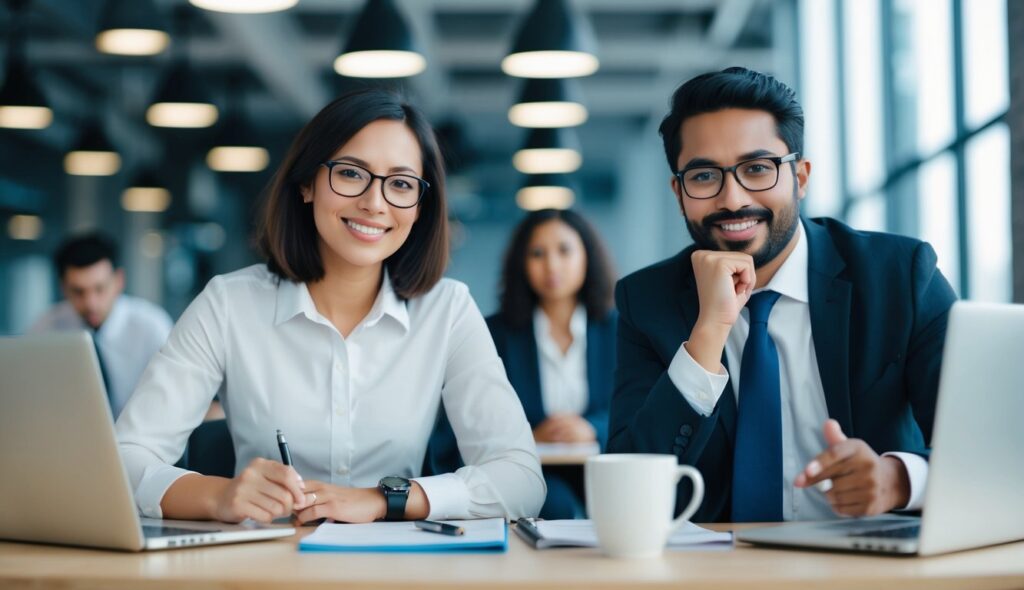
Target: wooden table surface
(278,564)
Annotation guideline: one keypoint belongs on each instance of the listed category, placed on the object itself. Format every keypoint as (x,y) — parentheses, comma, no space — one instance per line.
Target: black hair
(85,250)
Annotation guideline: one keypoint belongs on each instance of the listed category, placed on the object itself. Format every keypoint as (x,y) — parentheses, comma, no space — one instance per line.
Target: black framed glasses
(351,180)
(755,174)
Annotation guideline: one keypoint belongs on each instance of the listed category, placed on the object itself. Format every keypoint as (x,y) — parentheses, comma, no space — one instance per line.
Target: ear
(677,189)
(307,193)
(803,173)
(119,280)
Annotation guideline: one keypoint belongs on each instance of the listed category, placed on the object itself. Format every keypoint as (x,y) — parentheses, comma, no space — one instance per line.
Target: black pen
(282,444)
(441,528)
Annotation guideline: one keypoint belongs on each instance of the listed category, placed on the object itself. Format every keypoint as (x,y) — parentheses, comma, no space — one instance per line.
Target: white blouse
(564,388)
(353,409)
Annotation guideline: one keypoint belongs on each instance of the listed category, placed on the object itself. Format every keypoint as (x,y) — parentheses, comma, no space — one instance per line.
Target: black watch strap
(396,496)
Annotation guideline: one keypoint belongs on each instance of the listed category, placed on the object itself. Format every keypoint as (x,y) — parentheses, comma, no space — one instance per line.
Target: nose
(372,200)
(732,197)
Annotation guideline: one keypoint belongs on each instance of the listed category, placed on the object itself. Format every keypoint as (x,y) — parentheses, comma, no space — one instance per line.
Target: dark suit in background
(517,348)
(878,308)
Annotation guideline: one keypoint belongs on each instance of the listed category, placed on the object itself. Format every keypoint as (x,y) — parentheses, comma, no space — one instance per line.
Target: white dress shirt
(133,332)
(563,377)
(354,408)
(804,410)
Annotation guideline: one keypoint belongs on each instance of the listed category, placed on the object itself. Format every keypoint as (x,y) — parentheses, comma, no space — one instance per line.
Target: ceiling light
(549,151)
(546,191)
(131,27)
(380,45)
(146,195)
(244,6)
(237,158)
(22,104)
(182,102)
(25,227)
(552,42)
(93,155)
(549,102)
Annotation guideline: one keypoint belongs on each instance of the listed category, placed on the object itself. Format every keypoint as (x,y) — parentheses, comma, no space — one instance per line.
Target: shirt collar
(577,326)
(293,299)
(791,278)
(114,319)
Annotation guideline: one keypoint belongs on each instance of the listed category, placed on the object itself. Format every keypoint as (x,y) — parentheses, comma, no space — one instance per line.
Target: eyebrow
(747,156)
(366,165)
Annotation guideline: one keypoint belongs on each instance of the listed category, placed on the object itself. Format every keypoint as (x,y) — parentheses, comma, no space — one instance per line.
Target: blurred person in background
(127,331)
(555,332)
(346,339)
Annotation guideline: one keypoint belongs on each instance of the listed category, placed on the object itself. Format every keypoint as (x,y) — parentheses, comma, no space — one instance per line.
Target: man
(127,330)
(819,399)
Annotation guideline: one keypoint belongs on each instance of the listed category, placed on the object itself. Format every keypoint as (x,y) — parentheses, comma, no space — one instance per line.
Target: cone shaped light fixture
(93,155)
(380,45)
(552,42)
(236,150)
(244,6)
(182,101)
(546,191)
(549,151)
(22,104)
(132,27)
(549,102)
(146,195)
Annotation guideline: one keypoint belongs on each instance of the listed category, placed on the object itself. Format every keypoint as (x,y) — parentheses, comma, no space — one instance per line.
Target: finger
(744,278)
(257,513)
(312,513)
(266,507)
(286,477)
(278,504)
(827,465)
(833,433)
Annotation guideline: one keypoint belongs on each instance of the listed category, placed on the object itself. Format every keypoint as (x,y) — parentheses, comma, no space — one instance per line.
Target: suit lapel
(830,301)
(524,372)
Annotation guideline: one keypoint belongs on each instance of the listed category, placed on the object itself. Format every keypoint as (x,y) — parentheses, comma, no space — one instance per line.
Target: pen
(440,528)
(282,444)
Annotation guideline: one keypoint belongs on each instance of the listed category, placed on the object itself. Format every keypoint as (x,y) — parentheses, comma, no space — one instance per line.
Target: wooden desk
(566,453)
(277,564)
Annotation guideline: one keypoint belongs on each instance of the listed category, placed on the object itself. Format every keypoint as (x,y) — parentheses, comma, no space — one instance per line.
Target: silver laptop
(975,493)
(62,477)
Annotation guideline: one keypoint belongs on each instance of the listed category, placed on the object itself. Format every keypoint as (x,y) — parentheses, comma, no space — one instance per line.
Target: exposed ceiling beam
(728,22)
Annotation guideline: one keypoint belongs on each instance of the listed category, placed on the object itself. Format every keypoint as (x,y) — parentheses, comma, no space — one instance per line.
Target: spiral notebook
(490,534)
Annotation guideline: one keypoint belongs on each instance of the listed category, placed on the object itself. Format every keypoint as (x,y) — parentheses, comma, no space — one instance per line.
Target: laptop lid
(63,480)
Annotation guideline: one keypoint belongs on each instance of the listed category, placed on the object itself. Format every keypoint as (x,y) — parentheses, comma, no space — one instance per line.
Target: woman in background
(555,332)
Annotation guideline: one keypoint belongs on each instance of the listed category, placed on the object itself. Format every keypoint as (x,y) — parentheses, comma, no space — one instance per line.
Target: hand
(863,484)
(263,491)
(343,504)
(725,281)
(567,428)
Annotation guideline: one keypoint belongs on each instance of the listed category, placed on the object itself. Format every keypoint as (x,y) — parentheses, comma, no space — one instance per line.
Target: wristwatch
(396,494)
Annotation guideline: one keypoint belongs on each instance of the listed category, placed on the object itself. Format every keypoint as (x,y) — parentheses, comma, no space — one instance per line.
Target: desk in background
(566,453)
(278,565)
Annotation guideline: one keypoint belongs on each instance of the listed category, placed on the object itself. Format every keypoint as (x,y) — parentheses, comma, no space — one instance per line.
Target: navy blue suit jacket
(878,307)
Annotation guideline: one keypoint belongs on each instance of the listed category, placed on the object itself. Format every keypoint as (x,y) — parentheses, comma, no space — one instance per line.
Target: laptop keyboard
(905,532)
(151,531)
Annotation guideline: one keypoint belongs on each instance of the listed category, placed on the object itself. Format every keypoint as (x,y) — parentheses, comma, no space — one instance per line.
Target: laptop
(975,493)
(63,481)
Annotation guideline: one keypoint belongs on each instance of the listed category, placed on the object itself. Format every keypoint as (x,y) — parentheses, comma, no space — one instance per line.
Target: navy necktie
(757,462)
(103,369)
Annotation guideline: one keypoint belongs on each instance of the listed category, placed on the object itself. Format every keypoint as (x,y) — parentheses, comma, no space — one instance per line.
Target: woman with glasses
(555,332)
(346,340)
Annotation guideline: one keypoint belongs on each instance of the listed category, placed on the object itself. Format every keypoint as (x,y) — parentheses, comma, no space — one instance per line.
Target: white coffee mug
(631,497)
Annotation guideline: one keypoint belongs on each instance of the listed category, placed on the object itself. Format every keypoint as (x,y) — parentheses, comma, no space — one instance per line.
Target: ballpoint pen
(282,444)
(442,528)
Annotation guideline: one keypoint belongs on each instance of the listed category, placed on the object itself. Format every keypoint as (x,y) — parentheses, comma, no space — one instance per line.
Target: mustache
(717,217)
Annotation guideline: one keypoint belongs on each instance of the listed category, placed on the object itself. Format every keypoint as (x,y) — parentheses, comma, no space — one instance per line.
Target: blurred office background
(909,122)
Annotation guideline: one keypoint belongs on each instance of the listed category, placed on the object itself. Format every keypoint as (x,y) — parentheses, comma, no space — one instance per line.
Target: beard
(781,228)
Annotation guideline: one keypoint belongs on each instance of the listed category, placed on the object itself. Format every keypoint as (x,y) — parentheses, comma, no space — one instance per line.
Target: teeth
(738,226)
(364,229)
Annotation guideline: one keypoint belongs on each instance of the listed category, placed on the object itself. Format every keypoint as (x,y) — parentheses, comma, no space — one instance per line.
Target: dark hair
(737,88)
(85,250)
(518,299)
(287,235)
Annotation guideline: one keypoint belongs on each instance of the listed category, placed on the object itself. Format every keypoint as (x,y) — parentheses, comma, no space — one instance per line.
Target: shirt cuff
(917,475)
(699,387)
(447,494)
(152,487)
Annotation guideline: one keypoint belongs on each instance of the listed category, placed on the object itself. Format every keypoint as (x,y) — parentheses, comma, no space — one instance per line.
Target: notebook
(545,534)
(489,534)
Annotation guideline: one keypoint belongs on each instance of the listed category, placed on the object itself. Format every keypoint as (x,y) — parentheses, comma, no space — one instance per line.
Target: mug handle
(695,499)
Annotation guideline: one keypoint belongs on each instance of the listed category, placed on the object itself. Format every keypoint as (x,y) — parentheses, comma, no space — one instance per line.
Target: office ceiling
(278,67)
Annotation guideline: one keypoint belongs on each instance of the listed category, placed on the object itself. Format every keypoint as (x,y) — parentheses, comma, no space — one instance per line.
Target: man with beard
(793,361)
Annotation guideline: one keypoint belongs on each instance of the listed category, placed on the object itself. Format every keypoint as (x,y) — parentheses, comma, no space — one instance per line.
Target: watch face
(395,483)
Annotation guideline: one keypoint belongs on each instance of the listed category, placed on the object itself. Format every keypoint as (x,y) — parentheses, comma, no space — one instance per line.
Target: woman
(555,332)
(347,340)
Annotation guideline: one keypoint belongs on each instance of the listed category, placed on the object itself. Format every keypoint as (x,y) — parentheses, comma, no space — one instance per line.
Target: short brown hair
(287,235)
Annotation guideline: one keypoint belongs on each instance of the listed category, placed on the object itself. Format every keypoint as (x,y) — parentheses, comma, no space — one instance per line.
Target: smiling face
(759,223)
(363,231)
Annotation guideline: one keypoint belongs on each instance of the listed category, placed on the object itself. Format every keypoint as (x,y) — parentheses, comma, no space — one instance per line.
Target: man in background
(127,330)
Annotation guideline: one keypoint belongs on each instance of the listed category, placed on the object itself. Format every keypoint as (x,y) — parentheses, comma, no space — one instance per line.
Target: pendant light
(93,154)
(244,6)
(235,148)
(146,194)
(546,191)
(380,45)
(549,102)
(182,101)
(132,27)
(549,151)
(552,42)
(22,103)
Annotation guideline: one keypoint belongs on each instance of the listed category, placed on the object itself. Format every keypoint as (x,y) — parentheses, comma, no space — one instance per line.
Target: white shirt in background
(354,409)
(133,332)
(563,377)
